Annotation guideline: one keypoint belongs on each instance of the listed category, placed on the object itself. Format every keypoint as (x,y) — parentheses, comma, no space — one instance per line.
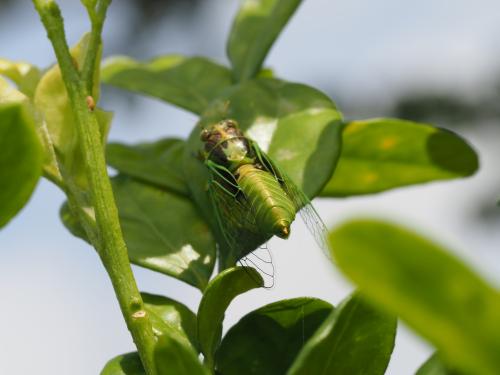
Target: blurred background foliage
(452,110)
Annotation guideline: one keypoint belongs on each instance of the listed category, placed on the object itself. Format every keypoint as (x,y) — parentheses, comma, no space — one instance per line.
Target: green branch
(110,243)
(97,16)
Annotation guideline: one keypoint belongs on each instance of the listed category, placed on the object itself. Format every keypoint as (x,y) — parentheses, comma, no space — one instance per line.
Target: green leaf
(57,121)
(24,75)
(175,326)
(172,317)
(217,296)
(356,339)
(431,290)
(298,126)
(71,222)
(163,231)
(435,366)
(383,154)
(158,163)
(266,341)
(9,94)
(189,83)
(124,364)
(255,28)
(20,159)
(174,358)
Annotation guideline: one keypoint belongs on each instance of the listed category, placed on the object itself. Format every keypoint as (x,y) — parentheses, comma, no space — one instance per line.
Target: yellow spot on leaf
(370,178)
(388,143)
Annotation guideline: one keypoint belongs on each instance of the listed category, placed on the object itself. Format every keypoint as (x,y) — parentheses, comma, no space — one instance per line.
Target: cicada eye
(205,134)
(231,124)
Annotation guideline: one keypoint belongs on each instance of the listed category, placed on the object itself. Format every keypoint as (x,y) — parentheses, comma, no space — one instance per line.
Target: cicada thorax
(273,209)
(226,145)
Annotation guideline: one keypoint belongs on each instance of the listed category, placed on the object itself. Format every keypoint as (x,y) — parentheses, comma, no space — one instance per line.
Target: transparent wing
(308,214)
(242,240)
(261,259)
(233,215)
(302,203)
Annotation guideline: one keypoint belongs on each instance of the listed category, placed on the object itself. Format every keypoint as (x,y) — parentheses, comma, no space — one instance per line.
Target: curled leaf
(216,298)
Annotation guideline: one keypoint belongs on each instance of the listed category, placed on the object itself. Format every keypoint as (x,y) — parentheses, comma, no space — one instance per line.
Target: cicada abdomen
(273,209)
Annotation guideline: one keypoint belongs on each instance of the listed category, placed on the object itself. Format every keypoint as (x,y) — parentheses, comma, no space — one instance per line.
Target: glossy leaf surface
(163,231)
(180,321)
(356,339)
(189,83)
(219,293)
(296,125)
(158,163)
(255,28)
(174,358)
(383,154)
(266,341)
(124,364)
(174,324)
(21,159)
(435,293)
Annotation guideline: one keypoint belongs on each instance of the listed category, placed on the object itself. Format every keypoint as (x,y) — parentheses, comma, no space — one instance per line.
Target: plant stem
(111,245)
(97,17)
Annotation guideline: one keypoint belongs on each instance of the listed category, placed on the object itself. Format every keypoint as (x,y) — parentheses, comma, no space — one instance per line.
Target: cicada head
(225,143)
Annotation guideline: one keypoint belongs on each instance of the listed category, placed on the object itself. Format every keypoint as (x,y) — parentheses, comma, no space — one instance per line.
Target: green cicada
(252,198)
